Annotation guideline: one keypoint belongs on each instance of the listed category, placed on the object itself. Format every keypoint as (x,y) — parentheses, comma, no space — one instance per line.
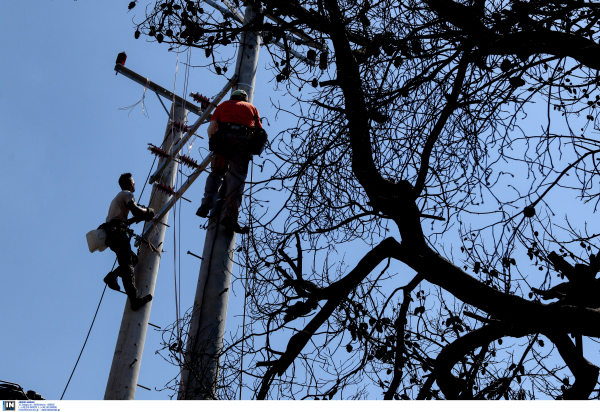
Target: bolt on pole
(127,360)
(200,371)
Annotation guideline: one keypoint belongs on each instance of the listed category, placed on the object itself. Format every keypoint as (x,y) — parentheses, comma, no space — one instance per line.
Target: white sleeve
(129,197)
(213,126)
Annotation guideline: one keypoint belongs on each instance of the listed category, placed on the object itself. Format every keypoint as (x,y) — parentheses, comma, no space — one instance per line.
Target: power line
(88,335)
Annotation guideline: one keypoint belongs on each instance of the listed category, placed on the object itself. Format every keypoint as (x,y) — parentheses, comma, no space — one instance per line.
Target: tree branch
(342,288)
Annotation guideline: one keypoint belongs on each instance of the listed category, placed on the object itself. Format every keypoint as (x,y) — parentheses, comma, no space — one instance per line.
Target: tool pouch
(258,141)
(96,240)
(216,143)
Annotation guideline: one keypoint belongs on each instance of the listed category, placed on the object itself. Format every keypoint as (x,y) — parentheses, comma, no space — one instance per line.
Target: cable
(101,297)
(147,178)
(246,285)
(88,335)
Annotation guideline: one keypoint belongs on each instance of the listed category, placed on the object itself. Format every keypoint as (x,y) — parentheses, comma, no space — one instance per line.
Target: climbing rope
(88,335)
(177,213)
(101,297)
(247,238)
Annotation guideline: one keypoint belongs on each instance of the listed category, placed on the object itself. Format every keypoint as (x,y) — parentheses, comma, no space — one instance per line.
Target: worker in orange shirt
(233,133)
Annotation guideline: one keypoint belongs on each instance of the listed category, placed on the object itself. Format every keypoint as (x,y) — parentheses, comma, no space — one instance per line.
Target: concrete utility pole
(207,327)
(127,359)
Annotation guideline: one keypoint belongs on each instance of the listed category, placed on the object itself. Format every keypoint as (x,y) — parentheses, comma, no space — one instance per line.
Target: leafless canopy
(471,114)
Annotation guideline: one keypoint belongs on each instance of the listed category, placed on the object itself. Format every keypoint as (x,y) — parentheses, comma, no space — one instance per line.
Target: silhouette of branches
(437,137)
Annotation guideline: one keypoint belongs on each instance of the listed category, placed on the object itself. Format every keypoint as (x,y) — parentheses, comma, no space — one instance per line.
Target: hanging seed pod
(516,82)
(529,211)
(159,37)
(131,5)
(323,58)
(388,49)
(315,83)
(137,34)
(311,55)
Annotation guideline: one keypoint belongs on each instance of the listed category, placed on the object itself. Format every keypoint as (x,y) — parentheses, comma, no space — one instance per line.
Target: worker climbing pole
(200,367)
(125,368)
(207,326)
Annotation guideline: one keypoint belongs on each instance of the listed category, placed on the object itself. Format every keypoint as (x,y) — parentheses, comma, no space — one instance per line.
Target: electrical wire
(88,335)
(247,238)
(99,303)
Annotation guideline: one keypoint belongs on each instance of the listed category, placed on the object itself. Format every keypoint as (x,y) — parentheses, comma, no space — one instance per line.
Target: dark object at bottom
(13,392)
(111,281)
(139,302)
(203,211)
(233,225)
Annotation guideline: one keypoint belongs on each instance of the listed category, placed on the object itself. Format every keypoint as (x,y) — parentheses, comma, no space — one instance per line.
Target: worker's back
(236,111)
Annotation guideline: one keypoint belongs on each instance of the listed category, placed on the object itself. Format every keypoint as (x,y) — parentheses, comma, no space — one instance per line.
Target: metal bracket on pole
(232,10)
(179,194)
(301,36)
(295,53)
(192,129)
(157,89)
(304,38)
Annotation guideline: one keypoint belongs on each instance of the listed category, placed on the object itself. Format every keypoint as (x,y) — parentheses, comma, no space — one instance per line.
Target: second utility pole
(200,371)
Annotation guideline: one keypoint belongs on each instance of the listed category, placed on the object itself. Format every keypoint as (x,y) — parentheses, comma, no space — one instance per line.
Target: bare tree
(416,113)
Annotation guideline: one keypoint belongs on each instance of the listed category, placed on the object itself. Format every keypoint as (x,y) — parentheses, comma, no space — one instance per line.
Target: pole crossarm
(295,53)
(192,129)
(157,89)
(301,36)
(304,38)
(232,10)
(203,165)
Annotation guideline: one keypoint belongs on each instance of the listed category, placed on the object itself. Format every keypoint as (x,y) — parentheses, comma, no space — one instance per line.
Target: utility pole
(127,359)
(200,371)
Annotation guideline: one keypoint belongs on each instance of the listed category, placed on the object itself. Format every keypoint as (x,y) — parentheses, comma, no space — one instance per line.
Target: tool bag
(257,141)
(216,143)
(96,240)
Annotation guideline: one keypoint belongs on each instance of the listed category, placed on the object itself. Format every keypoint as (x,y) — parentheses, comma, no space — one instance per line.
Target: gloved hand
(149,214)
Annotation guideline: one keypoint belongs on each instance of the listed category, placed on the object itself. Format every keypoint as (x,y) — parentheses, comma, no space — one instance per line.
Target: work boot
(203,211)
(139,302)
(233,225)
(111,281)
